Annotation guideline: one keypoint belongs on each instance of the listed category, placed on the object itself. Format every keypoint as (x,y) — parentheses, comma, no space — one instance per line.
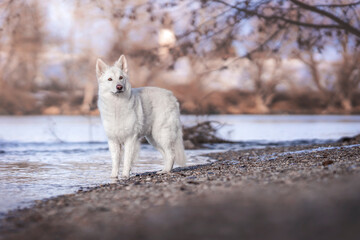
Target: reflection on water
(30,171)
(45,156)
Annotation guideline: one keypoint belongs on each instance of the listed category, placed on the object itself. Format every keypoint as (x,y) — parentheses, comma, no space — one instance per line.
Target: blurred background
(218,57)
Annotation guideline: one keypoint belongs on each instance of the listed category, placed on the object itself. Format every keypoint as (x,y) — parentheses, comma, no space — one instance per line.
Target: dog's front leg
(131,149)
(115,150)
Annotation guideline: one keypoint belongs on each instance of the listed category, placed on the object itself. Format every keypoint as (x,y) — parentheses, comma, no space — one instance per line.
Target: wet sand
(303,192)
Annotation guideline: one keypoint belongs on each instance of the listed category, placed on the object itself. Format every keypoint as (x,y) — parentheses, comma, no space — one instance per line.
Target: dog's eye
(121,77)
(110,79)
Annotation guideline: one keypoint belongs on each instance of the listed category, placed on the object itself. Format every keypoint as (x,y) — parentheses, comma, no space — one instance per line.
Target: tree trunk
(347,105)
(88,96)
(260,105)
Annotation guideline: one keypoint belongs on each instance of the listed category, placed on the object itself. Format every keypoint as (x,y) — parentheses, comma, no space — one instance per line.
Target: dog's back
(158,104)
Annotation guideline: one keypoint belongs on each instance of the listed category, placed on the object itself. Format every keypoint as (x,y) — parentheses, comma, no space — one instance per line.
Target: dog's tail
(180,157)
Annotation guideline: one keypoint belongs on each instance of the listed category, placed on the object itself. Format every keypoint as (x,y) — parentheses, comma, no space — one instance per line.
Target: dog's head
(113,79)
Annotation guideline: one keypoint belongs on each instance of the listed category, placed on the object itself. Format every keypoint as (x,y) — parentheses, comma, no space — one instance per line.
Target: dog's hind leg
(169,155)
(131,149)
(115,150)
(166,151)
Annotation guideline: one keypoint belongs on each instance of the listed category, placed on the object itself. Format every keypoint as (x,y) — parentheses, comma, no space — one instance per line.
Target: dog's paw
(125,173)
(125,176)
(114,175)
(114,180)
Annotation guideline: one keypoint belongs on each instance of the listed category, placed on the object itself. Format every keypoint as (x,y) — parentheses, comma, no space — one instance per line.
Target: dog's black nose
(119,87)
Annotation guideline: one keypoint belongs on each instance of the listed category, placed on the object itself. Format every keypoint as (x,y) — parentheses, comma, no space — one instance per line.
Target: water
(273,128)
(42,156)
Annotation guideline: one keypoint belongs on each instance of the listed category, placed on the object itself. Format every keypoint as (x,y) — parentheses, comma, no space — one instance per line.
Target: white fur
(131,114)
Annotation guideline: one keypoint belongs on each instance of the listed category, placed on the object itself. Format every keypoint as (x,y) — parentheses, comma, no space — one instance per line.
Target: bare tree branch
(277,17)
(329,15)
(246,55)
(340,5)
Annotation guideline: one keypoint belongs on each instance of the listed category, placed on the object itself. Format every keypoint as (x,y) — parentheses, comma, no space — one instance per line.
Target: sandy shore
(304,192)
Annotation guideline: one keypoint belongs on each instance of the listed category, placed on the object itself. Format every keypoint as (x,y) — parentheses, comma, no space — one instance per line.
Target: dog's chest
(120,121)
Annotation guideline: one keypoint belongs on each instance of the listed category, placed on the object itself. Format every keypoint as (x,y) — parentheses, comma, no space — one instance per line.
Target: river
(45,156)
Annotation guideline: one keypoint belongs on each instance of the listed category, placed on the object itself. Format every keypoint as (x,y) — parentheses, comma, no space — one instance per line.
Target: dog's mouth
(117,92)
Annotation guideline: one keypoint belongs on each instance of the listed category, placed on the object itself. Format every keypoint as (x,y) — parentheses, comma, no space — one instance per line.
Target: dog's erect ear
(100,67)
(122,64)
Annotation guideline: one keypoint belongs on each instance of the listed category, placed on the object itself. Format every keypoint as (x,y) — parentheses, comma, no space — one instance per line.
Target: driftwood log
(202,133)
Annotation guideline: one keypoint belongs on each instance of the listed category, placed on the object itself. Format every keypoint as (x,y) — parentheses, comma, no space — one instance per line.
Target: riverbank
(277,193)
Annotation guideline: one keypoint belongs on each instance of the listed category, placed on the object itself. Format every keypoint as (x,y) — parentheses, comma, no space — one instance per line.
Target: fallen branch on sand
(201,133)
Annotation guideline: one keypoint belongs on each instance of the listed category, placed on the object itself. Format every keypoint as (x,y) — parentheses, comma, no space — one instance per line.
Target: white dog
(130,114)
